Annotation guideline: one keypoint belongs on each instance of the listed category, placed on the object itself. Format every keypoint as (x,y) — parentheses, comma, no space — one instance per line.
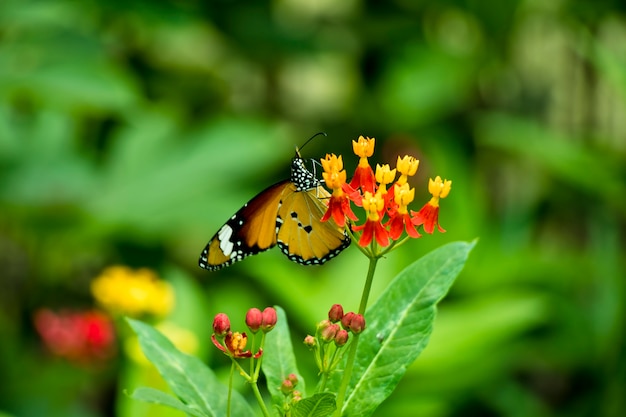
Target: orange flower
(373,228)
(234,345)
(429,214)
(406,167)
(400,219)
(364,175)
(335,177)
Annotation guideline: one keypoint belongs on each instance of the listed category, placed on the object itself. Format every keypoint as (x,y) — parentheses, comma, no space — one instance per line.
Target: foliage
(399,326)
(129,131)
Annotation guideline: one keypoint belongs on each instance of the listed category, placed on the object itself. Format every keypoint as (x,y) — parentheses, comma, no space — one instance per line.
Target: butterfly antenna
(311,138)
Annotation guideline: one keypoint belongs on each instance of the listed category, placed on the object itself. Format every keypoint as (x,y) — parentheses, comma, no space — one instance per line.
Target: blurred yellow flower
(133,292)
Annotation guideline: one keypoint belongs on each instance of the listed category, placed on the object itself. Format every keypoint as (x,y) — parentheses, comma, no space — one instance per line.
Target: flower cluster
(233,344)
(122,290)
(384,198)
(292,395)
(79,336)
(332,335)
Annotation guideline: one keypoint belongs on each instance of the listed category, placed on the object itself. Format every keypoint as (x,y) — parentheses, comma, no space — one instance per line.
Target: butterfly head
(301,177)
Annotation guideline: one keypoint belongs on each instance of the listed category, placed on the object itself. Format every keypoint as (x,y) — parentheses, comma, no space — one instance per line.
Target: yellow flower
(373,204)
(334,175)
(385,175)
(438,189)
(363,147)
(404,195)
(332,163)
(123,290)
(407,167)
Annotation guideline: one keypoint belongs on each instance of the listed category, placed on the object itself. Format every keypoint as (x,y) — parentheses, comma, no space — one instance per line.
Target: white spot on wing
(224,235)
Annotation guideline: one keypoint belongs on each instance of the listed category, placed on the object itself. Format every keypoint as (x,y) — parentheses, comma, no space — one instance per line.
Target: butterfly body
(287,214)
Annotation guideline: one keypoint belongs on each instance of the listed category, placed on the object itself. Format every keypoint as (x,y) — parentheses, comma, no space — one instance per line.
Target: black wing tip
(315,261)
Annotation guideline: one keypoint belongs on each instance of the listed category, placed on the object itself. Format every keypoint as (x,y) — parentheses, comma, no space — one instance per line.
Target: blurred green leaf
(154,396)
(279,360)
(424,84)
(592,170)
(192,381)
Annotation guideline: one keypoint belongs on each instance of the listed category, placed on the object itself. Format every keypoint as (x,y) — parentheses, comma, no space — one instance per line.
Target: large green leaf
(278,359)
(318,405)
(192,381)
(399,325)
(154,396)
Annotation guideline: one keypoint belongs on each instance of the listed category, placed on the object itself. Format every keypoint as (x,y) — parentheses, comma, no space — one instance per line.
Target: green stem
(259,398)
(368,285)
(341,395)
(230,388)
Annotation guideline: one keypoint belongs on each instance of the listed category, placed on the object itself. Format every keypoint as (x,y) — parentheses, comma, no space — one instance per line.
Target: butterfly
(286,214)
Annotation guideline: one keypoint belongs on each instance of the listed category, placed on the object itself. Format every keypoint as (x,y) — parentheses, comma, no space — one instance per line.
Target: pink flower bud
(286,387)
(327,334)
(336,313)
(297,396)
(323,324)
(341,338)
(221,324)
(269,319)
(293,378)
(254,318)
(310,342)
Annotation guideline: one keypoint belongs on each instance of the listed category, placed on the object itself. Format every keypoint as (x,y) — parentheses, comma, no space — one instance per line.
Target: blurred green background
(130,130)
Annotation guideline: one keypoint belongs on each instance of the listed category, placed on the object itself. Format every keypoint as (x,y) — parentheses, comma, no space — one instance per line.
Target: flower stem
(347,373)
(230,388)
(259,398)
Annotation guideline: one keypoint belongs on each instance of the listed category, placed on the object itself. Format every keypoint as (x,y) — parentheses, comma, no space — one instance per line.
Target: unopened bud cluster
(233,344)
(332,335)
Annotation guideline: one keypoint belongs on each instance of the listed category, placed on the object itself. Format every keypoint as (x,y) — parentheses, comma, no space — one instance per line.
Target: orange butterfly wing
(302,236)
(249,231)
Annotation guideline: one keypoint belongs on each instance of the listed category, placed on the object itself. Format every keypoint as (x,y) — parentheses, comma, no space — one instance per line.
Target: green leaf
(278,358)
(319,405)
(154,396)
(191,380)
(399,325)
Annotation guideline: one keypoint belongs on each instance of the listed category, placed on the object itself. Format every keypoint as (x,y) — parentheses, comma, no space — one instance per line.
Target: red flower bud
(341,338)
(221,324)
(357,324)
(346,319)
(254,318)
(336,313)
(269,319)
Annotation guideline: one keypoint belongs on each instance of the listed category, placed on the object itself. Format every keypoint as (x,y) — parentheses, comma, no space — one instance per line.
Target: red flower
(335,177)
(372,228)
(76,336)
(339,208)
(399,219)
(364,177)
(429,214)
(234,345)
